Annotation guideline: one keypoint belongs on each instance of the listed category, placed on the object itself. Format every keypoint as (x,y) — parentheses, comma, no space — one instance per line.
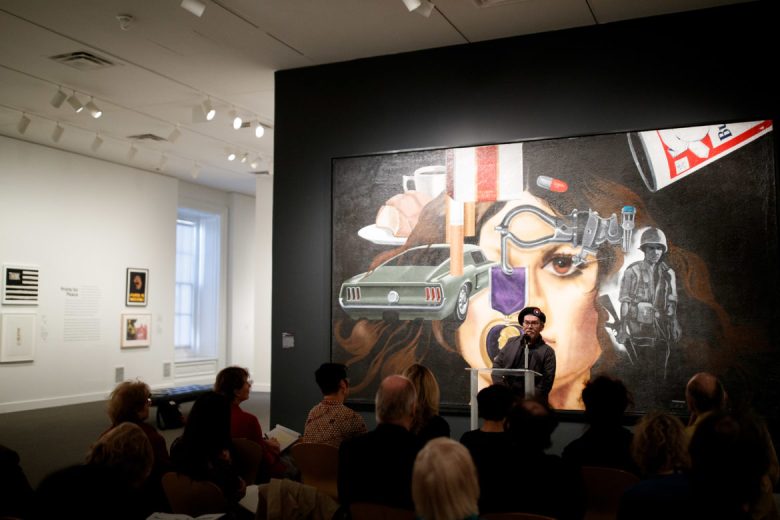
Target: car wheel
(462,305)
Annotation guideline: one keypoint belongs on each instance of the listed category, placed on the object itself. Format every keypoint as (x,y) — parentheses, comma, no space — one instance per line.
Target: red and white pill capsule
(549,183)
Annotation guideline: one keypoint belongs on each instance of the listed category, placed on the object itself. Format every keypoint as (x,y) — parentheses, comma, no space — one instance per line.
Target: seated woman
(428,424)
(130,402)
(203,450)
(659,449)
(490,444)
(109,485)
(444,482)
(234,384)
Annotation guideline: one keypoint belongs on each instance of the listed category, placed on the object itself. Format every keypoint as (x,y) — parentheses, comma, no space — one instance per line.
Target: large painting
(653,254)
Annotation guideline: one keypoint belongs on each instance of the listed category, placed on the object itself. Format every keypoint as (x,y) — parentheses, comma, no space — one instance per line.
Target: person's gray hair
(395,399)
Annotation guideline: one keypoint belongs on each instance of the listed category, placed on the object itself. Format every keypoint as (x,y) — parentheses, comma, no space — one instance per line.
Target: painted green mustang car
(417,284)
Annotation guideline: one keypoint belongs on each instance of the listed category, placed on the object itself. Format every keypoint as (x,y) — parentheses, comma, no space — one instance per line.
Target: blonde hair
(127,449)
(427,394)
(660,444)
(444,481)
(127,401)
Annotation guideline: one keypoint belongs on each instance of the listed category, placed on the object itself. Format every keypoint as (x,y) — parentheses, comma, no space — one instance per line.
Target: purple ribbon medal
(507,291)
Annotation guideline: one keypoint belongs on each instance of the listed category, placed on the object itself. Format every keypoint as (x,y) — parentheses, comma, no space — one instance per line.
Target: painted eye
(562,265)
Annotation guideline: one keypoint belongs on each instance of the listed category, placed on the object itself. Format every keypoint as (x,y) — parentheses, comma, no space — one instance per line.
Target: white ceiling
(169,61)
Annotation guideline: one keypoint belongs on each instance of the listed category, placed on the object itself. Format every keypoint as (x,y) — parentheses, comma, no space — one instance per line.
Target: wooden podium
(530,377)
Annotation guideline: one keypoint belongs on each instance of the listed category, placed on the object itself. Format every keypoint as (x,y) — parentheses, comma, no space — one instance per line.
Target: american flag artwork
(20,285)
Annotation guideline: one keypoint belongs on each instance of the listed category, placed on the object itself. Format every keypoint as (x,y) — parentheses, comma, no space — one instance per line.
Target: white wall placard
(17,337)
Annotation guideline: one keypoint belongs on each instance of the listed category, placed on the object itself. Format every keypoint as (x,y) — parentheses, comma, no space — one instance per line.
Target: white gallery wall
(83,222)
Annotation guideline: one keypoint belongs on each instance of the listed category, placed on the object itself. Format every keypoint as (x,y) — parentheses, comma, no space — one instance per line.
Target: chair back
(514,516)
(366,511)
(192,497)
(319,466)
(603,489)
(247,459)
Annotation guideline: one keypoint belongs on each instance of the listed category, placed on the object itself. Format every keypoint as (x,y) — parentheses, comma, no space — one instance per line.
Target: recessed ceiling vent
(146,137)
(83,60)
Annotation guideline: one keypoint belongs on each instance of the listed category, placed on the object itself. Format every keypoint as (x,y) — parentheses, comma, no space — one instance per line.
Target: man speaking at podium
(528,351)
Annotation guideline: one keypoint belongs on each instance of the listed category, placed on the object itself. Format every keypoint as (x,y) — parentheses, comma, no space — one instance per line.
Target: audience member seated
(234,384)
(130,402)
(330,422)
(534,482)
(730,459)
(15,491)
(428,424)
(377,466)
(660,450)
(490,444)
(444,482)
(107,486)
(203,450)
(606,443)
(704,395)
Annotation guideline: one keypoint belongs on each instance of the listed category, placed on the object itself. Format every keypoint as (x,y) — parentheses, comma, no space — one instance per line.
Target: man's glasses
(532,323)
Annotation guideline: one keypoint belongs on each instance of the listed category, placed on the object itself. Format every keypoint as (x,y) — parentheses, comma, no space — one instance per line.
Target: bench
(167,401)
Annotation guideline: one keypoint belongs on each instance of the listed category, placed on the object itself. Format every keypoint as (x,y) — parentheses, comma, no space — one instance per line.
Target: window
(198,254)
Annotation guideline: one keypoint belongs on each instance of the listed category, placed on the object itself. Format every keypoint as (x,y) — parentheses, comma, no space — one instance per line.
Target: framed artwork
(20,284)
(137,287)
(136,330)
(653,253)
(17,338)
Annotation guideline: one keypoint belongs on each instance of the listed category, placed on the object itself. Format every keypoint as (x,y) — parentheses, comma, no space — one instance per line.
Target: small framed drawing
(20,284)
(136,330)
(137,284)
(17,338)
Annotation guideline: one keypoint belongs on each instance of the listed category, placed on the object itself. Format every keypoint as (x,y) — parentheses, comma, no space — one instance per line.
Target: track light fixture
(244,158)
(75,103)
(259,130)
(237,121)
(94,111)
(255,164)
(96,143)
(131,153)
(59,98)
(196,7)
(208,110)
(174,135)
(231,156)
(421,7)
(24,122)
(56,135)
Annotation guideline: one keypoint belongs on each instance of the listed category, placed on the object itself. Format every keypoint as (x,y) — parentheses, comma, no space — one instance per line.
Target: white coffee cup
(431,180)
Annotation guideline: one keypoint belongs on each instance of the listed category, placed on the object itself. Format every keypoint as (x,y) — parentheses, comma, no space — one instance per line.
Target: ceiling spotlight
(174,135)
(125,21)
(56,135)
(24,122)
(96,143)
(195,171)
(75,103)
(237,121)
(58,99)
(94,111)
(259,130)
(421,7)
(131,153)
(196,7)
(208,110)
(244,158)
(231,156)
(255,164)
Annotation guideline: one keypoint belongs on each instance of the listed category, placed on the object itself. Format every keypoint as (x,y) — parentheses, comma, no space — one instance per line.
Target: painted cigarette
(470,219)
(455,229)
(549,183)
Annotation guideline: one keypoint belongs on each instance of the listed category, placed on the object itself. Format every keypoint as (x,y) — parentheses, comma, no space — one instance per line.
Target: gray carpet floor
(53,438)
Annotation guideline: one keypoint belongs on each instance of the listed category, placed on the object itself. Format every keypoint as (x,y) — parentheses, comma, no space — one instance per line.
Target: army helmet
(653,237)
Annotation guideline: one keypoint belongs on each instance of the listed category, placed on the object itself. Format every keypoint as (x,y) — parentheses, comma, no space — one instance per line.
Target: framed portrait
(137,287)
(17,338)
(136,330)
(651,252)
(20,284)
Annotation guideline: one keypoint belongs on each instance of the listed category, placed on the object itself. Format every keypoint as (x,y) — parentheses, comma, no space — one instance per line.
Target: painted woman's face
(564,292)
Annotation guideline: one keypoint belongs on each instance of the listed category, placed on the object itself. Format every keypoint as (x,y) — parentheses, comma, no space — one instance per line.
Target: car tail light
(353,293)
(433,294)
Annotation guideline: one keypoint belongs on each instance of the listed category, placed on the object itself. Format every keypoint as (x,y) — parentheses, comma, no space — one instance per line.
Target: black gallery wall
(678,70)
